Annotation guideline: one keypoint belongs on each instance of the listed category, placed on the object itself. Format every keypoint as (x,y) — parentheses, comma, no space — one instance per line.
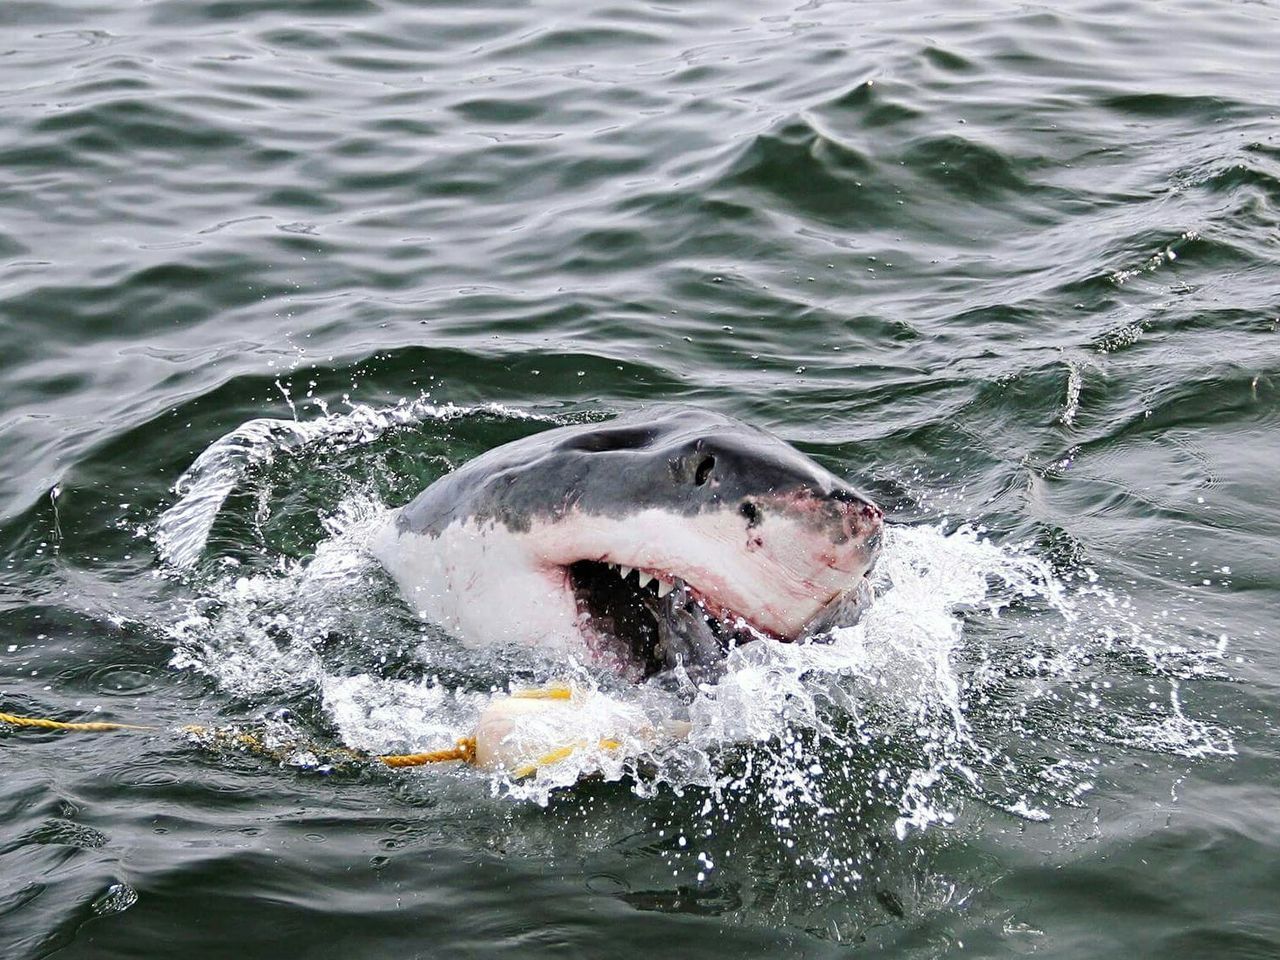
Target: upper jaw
(714,594)
(665,581)
(644,633)
(840,607)
(777,590)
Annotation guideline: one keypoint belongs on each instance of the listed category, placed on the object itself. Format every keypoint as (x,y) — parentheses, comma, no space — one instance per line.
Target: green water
(1006,266)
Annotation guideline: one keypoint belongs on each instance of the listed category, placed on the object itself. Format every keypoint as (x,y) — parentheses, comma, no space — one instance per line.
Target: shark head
(661,538)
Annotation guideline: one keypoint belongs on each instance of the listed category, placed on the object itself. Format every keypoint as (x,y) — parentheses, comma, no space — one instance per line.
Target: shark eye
(703,472)
(751,512)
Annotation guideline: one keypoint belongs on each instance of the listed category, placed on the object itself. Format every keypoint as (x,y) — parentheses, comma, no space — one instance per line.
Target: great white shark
(657,540)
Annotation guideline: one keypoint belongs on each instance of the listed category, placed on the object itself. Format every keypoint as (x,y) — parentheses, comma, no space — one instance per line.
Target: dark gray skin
(663,456)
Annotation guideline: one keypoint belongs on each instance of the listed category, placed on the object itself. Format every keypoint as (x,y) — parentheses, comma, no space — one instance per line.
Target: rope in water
(463,751)
(43,724)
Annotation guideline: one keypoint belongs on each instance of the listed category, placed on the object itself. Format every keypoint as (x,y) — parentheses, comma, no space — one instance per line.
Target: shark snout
(865,521)
(860,518)
(856,528)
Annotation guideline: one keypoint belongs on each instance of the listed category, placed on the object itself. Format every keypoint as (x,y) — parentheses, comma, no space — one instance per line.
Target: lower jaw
(844,610)
(638,634)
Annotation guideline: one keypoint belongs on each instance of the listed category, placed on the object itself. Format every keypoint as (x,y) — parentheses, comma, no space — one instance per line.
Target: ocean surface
(267,268)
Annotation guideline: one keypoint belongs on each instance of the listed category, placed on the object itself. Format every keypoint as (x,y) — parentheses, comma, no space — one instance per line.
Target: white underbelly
(480,584)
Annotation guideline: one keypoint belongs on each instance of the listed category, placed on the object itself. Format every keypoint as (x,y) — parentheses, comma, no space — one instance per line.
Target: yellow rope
(42,724)
(464,751)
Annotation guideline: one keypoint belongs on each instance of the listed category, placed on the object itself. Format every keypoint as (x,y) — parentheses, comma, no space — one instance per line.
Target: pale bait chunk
(529,729)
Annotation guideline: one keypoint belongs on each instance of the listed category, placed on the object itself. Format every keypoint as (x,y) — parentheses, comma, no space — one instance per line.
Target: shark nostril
(703,473)
(856,506)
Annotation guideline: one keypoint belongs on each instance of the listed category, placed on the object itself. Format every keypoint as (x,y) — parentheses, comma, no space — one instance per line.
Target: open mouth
(655,623)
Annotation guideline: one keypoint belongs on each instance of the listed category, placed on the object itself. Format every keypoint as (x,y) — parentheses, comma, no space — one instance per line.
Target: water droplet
(118,898)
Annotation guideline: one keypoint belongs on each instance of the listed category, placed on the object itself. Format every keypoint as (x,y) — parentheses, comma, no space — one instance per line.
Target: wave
(182,531)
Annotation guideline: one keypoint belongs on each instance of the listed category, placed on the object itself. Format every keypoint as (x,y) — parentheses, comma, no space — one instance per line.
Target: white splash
(1158,259)
(183,530)
(259,631)
(382,716)
(1075,382)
